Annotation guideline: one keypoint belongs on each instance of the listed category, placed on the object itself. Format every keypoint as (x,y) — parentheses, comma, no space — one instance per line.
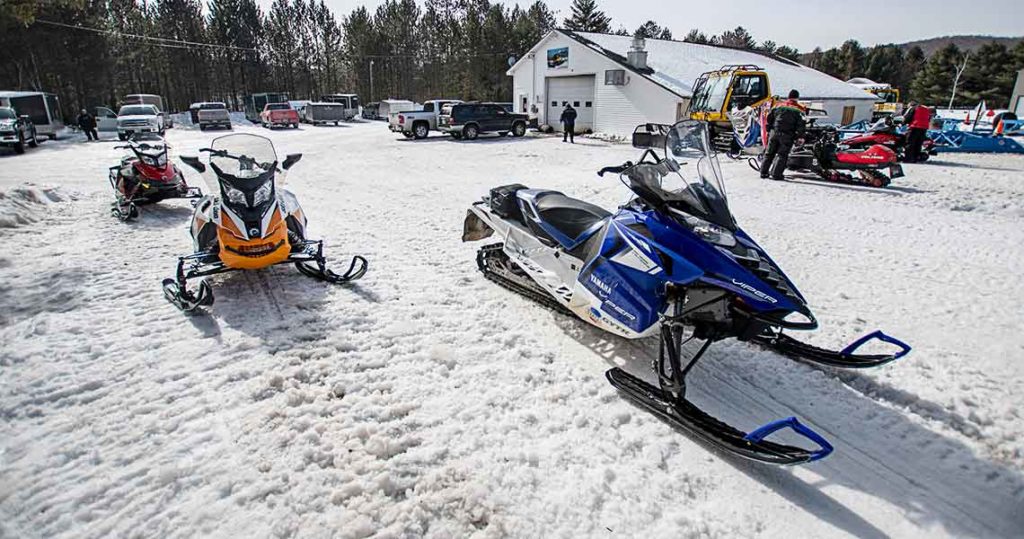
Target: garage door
(577,91)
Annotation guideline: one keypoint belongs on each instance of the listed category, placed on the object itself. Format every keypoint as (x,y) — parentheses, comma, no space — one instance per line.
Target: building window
(554,103)
(615,77)
(576,103)
(590,104)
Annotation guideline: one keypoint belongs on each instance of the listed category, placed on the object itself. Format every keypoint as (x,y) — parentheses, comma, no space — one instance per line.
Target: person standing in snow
(785,123)
(88,125)
(918,118)
(568,120)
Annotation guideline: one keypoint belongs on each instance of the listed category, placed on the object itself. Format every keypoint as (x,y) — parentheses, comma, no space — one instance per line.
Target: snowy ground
(426,401)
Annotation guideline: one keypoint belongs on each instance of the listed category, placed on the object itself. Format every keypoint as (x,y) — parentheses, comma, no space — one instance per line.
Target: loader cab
(716,93)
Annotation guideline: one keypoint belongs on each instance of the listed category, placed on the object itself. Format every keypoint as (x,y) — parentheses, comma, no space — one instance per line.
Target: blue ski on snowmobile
(671,262)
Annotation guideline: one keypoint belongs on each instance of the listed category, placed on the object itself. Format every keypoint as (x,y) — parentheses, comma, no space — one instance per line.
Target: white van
(42,108)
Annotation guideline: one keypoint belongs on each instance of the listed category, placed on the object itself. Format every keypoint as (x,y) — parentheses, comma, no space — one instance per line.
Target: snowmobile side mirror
(290,160)
(193,162)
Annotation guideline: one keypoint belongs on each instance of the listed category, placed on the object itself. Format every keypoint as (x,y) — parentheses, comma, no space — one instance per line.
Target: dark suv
(16,130)
(469,120)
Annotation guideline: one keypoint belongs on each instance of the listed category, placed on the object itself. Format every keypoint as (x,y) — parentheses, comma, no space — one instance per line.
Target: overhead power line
(157,41)
(182,44)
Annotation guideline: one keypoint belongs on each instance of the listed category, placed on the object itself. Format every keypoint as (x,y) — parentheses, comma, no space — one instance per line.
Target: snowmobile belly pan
(254,254)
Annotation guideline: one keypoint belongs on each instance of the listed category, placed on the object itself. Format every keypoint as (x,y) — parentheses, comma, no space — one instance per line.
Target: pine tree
(585,17)
(934,81)
(736,39)
(696,36)
(831,63)
(989,76)
(788,52)
(851,60)
(652,30)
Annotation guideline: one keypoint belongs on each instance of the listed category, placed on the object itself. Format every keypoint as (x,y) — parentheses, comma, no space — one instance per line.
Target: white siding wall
(617,109)
(834,108)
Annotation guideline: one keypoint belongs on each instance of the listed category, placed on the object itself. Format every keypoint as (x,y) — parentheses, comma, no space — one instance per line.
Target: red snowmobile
(819,153)
(884,132)
(146,176)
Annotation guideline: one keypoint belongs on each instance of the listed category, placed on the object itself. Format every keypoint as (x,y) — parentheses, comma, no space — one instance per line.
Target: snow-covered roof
(677,64)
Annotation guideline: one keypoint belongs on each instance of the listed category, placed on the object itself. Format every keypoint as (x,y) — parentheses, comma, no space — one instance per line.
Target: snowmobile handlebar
(617,170)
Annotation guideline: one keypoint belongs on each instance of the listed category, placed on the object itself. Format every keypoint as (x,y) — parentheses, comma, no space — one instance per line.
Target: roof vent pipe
(637,56)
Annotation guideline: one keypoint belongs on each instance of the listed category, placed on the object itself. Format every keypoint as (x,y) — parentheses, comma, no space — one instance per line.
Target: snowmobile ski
(686,416)
(846,358)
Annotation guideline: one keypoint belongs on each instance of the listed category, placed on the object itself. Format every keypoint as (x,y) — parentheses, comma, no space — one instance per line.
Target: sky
(803,24)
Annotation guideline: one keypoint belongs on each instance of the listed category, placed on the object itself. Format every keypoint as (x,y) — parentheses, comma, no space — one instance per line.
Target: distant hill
(930,46)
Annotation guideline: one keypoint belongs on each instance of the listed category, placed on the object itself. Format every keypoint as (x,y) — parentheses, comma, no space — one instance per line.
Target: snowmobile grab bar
(877,335)
(824,448)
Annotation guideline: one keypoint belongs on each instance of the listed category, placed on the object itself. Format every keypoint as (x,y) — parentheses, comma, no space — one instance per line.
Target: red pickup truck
(279,114)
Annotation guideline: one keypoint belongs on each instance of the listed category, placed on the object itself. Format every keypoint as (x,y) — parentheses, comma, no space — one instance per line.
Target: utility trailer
(349,102)
(255,103)
(41,107)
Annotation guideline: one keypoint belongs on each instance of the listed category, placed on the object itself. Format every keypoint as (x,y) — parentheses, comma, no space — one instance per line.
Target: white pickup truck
(418,124)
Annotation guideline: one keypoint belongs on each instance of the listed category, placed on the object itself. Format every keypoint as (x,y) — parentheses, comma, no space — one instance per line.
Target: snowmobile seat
(569,216)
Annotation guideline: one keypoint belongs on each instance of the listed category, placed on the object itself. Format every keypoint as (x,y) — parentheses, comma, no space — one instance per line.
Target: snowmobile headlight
(710,232)
(234,195)
(261,195)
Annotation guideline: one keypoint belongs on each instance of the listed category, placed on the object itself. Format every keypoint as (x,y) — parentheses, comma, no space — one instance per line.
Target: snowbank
(21,206)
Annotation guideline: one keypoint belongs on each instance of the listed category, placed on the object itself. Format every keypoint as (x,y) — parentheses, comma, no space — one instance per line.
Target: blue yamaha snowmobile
(671,262)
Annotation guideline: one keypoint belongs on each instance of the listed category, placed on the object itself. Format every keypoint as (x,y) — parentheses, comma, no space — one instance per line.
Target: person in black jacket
(87,123)
(786,123)
(568,120)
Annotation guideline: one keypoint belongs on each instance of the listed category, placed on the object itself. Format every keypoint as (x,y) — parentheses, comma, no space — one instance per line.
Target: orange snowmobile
(254,222)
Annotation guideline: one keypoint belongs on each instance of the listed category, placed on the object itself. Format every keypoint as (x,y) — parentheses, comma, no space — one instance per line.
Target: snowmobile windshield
(245,165)
(689,179)
(243,156)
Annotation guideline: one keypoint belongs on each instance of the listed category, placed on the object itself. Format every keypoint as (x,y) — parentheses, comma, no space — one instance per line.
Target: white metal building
(615,89)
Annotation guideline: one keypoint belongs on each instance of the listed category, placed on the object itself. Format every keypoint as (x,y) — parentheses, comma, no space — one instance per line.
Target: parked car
(370,110)
(150,99)
(213,114)
(16,131)
(325,113)
(279,114)
(133,119)
(350,102)
(419,123)
(469,120)
(42,108)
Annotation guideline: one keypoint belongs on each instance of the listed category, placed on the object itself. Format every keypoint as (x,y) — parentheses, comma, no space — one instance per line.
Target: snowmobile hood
(744,269)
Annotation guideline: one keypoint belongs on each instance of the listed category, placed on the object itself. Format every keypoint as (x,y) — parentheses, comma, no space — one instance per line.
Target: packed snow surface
(426,401)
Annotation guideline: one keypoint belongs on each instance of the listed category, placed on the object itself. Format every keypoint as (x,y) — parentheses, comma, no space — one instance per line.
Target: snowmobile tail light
(710,232)
(234,195)
(261,195)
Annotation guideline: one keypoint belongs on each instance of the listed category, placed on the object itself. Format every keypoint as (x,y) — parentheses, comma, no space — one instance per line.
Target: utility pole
(956,80)
(371,80)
